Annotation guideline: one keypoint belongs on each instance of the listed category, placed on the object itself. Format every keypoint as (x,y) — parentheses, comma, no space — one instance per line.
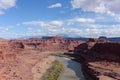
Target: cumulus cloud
(90,31)
(70,32)
(61,28)
(45,24)
(56,23)
(82,20)
(109,7)
(55,5)
(104,30)
(6,4)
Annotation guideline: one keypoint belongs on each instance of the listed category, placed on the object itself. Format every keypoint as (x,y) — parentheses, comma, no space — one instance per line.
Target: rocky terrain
(29,59)
(101,59)
(17,63)
(55,43)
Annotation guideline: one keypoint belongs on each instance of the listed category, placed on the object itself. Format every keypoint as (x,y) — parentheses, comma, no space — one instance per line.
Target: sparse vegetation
(54,72)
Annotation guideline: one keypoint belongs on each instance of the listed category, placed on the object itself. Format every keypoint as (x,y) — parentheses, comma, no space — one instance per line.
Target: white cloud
(113,5)
(56,23)
(44,24)
(6,4)
(102,30)
(1,12)
(90,31)
(81,20)
(109,7)
(72,30)
(117,18)
(55,5)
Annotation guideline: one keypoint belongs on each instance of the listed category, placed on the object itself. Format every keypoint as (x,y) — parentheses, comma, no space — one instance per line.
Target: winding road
(72,69)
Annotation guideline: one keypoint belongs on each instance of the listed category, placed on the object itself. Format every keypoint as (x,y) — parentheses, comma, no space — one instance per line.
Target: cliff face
(102,59)
(107,48)
(53,44)
(26,59)
(9,48)
(18,63)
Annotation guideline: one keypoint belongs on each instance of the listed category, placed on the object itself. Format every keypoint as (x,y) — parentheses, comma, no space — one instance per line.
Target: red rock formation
(101,59)
(53,44)
(25,59)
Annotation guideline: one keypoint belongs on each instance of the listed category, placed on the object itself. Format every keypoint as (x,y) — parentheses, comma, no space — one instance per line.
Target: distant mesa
(102,37)
(57,37)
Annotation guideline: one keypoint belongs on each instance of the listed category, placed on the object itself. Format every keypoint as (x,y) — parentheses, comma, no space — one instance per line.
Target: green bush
(54,72)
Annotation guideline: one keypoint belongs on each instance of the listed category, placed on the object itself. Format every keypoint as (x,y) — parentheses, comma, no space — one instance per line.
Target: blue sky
(72,18)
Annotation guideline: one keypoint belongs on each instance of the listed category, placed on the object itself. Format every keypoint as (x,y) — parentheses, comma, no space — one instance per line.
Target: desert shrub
(54,72)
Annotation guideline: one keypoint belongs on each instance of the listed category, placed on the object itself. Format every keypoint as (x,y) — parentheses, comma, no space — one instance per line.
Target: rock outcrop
(17,63)
(101,59)
(28,59)
(52,44)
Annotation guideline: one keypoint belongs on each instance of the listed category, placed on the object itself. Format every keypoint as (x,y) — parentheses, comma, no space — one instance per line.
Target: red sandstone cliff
(53,44)
(101,59)
(26,59)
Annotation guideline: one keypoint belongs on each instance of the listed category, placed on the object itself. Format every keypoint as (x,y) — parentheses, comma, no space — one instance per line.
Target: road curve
(72,69)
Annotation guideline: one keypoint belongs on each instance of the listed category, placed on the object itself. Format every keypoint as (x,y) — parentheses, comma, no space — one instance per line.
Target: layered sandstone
(17,63)
(101,59)
(52,44)
(28,59)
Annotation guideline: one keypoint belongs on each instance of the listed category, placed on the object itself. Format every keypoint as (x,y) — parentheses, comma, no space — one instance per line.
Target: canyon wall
(53,44)
(28,59)
(101,59)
